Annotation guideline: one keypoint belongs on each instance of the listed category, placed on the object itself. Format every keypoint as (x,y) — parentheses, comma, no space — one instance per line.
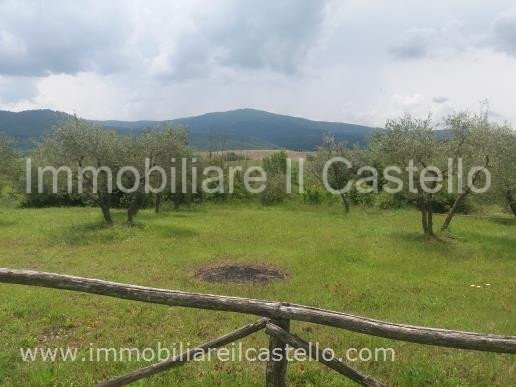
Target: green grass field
(370,263)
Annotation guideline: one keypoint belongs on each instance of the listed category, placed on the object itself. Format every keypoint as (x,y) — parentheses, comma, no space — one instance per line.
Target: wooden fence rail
(317,354)
(186,356)
(277,316)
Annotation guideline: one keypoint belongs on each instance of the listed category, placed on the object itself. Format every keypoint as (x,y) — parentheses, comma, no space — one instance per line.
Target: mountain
(236,129)
(29,125)
(280,130)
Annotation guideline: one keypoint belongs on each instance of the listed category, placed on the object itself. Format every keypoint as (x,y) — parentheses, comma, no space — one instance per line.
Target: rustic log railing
(275,320)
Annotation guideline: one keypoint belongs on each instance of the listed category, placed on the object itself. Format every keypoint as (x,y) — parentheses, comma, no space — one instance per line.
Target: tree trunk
(106,212)
(134,207)
(427,221)
(466,189)
(345,202)
(429,216)
(177,200)
(158,203)
(453,209)
(511,201)
(132,210)
(424,218)
(105,205)
(104,202)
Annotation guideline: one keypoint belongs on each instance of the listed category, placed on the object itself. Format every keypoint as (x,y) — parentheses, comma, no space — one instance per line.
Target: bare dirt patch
(240,273)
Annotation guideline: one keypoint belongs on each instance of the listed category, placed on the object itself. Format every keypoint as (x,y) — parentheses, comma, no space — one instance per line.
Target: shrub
(314,194)
(362,198)
(275,191)
(386,200)
(276,163)
(233,156)
(36,200)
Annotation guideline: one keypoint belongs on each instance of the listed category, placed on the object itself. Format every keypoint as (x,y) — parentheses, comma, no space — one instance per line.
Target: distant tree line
(76,143)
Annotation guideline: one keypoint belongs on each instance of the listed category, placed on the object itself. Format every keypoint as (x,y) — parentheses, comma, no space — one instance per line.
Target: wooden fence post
(275,374)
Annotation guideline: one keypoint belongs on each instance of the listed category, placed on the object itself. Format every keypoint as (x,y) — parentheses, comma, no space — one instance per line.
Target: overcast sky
(359,61)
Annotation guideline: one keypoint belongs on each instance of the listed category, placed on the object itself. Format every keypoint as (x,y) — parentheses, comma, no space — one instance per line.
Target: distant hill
(281,130)
(28,125)
(236,129)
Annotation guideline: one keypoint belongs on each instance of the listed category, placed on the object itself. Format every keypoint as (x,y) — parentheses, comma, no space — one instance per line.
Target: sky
(357,61)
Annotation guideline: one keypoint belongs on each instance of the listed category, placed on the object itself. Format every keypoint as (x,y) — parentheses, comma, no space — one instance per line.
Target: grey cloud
(254,35)
(440,100)
(270,34)
(15,89)
(414,44)
(38,38)
(447,41)
(160,59)
(504,33)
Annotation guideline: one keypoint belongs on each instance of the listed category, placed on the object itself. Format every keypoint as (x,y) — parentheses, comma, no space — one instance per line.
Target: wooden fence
(275,321)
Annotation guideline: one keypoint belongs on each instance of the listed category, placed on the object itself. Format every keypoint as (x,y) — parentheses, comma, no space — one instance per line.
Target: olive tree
(476,143)
(90,157)
(504,165)
(336,174)
(174,149)
(411,144)
(153,154)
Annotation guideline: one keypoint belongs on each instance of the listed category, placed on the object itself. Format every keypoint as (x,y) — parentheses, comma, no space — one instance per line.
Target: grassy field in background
(369,262)
(260,154)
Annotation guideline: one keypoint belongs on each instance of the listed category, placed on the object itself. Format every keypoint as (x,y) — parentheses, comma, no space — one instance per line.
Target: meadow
(369,262)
